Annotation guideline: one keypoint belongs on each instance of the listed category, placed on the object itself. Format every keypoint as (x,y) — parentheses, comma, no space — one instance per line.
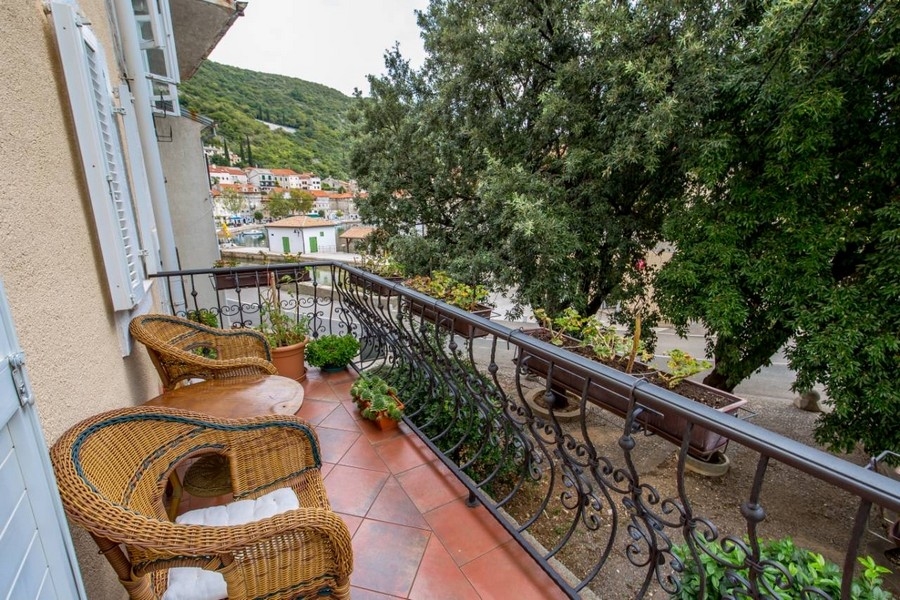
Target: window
(91,99)
(157,42)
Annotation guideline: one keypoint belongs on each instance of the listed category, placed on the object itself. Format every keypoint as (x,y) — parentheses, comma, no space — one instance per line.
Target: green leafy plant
(281,329)
(332,351)
(807,569)
(204,317)
(682,365)
(383,265)
(374,397)
(443,287)
(225,262)
(605,341)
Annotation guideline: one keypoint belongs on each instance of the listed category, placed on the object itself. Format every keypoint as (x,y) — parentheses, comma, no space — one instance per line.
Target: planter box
(253,279)
(427,312)
(376,287)
(703,442)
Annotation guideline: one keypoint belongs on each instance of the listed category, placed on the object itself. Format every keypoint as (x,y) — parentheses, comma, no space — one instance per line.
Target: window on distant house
(97,129)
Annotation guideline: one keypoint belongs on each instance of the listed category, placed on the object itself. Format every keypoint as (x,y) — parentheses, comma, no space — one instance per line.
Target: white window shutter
(87,81)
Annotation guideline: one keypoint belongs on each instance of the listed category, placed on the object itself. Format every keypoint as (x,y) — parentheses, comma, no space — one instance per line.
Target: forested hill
(237,99)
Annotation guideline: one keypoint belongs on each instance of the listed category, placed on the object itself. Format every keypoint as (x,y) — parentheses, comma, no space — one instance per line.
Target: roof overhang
(198,26)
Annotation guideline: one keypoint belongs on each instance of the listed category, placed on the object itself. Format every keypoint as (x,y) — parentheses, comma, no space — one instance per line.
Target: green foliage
(281,329)
(605,341)
(807,569)
(473,433)
(788,236)
(238,99)
(383,265)
(682,365)
(541,144)
(442,286)
(232,201)
(374,397)
(332,351)
(203,316)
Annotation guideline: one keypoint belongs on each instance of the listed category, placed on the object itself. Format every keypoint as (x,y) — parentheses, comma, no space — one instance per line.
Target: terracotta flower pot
(289,360)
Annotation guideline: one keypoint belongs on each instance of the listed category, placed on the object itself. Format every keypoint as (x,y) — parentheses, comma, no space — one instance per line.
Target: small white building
(228,175)
(264,179)
(302,235)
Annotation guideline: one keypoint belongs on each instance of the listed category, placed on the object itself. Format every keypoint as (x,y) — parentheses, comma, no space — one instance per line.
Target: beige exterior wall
(49,259)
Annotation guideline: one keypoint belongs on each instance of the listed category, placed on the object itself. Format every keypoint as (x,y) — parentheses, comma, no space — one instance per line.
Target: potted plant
(286,334)
(377,401)
(332,353)
(591,339)
(441,286)
(383,266)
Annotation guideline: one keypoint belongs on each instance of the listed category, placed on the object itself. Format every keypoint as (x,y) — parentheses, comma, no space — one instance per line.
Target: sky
(332,42)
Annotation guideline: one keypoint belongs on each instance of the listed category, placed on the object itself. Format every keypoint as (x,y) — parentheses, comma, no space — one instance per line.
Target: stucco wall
(187,186)
(49,258)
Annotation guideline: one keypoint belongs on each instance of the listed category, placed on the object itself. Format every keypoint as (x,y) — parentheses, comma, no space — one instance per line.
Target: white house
(308,181)
(264,179)
(229,175)
(287,178)
(302,235)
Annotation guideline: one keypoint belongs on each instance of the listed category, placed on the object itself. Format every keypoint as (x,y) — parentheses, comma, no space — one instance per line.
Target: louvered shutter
(87,81)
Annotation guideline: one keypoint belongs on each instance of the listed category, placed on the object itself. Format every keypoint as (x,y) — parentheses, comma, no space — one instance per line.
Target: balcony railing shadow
(587,497)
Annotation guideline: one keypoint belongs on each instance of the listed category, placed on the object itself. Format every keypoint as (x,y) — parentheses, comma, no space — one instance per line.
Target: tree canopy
(538,146)
(789,235)
(547,147)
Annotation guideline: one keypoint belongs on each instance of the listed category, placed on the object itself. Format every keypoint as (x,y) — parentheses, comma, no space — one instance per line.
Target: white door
(37,556)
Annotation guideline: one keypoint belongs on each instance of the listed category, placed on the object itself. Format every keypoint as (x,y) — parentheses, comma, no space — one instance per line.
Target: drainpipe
(134,67)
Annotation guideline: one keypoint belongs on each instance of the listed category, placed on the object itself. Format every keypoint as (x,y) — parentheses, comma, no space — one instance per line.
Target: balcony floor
(413,535)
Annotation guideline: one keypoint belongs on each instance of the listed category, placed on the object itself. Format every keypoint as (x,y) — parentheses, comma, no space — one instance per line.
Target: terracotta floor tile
(506,568)
(439,578)
(314,411)
(357,593)
(362,455)
(326,469)
(342,388)
(387,556)
(353,522)
(335,443)
(376,435)
(394,506)
(465,532)
(318,390)
(339,377)
(351,490)
(402,453)
(340,419)
(430,486)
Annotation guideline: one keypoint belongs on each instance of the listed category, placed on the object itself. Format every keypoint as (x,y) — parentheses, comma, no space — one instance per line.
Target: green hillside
(237,98)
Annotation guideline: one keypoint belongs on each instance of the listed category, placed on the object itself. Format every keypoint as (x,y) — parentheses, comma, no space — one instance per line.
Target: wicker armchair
(173,343)
(117,492)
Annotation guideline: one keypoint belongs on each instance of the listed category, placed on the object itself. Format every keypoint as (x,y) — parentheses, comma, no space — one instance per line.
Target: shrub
(808,569)
(332,351)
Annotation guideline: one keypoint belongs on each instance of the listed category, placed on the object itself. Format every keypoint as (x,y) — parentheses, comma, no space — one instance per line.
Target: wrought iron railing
(580,495)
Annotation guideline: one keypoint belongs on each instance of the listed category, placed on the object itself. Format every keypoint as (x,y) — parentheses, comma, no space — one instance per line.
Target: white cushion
(193,583)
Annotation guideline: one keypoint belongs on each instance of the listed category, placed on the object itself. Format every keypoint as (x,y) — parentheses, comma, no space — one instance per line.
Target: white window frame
(98,133)
(164,38)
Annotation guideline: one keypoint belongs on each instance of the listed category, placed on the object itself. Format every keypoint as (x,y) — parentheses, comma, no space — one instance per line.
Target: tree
(301,200)
(539,143)
(791,234)
(232,200)
(284,204)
